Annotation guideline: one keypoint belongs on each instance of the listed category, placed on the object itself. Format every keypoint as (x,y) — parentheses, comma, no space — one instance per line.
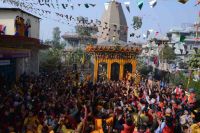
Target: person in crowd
(52,103)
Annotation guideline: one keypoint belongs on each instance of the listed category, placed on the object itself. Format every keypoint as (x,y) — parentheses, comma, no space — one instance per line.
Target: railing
(20,41)
(18,38)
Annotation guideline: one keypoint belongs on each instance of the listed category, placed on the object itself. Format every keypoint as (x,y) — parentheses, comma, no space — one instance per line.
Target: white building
(151,53)
(191,43)
(8,19)
(19,43)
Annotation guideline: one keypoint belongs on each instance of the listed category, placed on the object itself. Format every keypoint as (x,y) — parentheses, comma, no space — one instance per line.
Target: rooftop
(185,30)
(114,49)
(18,9)
(76,36)
(192,40)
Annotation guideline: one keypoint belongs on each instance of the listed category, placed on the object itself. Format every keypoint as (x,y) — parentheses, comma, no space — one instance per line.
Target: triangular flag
(127,6)
(148,33)
(64,6)
(156,33)
(106,5)
(93,5)
(182,38)
(140,4)
(132,35)
(183,1)
(152,3)
(144,36)
(86,5)
(151,30)
(138,36)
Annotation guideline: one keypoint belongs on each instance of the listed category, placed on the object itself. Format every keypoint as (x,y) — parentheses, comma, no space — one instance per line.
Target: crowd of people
(55,103)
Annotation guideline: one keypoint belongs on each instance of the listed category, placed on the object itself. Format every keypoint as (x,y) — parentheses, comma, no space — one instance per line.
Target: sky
(165,15)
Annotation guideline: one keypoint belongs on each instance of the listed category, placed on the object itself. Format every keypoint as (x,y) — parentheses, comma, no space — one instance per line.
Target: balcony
(9,41)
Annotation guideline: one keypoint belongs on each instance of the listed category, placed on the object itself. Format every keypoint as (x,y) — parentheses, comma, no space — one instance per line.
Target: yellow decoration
(114,54)
(109,62)
(98,124)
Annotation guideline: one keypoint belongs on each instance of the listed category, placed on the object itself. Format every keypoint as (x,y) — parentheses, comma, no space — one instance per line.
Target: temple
(114,58)
(113,23)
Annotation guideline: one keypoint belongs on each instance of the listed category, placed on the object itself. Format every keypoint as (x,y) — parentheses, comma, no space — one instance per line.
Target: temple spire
(113,26)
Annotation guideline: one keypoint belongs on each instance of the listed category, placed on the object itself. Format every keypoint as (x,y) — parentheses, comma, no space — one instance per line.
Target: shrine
(114,58)
(113,62)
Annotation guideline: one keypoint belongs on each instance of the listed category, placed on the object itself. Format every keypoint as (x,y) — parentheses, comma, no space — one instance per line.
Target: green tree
(56,41)
(56,35)
(167,54)
(180,78)
(51,58)
(194,61)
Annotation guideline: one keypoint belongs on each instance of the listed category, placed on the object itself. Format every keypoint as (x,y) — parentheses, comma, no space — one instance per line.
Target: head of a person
(169,121)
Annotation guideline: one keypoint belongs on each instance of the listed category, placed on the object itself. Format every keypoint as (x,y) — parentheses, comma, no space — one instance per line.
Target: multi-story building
(85,34)
(76,41)
(19,43)
(151,53)
(184,41)
(190,41)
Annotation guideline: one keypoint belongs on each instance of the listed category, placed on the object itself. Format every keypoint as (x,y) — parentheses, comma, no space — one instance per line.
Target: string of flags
(64,5)
(69,4)
(45,13)
(66,18)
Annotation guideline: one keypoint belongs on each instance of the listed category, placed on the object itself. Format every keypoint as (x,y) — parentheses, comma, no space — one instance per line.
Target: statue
(22,29)
(17,25)
(27,27)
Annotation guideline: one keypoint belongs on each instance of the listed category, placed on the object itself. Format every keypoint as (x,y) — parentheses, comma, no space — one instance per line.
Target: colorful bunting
(140,4)
(137,21)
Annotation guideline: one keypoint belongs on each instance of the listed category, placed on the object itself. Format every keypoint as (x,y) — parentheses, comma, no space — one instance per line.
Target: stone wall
(28,65)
